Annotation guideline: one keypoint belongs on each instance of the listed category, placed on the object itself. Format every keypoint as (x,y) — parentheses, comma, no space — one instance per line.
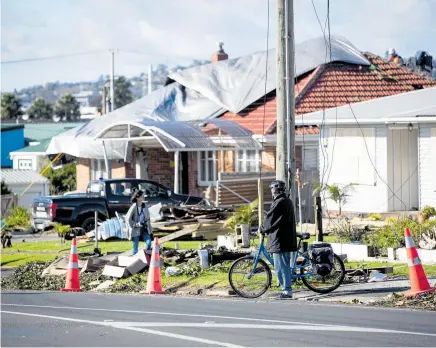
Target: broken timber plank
(178,234)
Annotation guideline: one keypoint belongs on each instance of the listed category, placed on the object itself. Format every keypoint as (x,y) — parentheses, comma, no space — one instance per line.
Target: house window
(98,169)
(247,161)
(207,168)
(25,164)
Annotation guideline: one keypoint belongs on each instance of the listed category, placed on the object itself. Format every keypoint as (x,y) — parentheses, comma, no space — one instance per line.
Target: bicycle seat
(303,236)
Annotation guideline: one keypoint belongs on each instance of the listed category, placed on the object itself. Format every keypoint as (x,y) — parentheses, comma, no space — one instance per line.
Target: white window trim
(215,174)
(98,169)
(244,164)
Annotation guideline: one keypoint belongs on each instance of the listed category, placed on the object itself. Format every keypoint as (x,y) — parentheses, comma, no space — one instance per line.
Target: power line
(356,120)
(27,60)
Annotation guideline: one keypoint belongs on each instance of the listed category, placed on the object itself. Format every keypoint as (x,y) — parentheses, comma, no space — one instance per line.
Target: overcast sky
(176,31)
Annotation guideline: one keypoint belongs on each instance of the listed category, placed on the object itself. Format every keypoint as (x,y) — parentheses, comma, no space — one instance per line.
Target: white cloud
(166,31)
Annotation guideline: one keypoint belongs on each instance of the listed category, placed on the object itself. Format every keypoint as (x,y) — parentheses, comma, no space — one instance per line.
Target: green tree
(62,180)
(10,106)
(5,189)
(40,109)
(123,92)
(67,107)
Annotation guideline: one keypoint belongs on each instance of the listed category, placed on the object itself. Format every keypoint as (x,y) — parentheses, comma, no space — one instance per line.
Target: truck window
(152,190)
(96,188)
(123,189)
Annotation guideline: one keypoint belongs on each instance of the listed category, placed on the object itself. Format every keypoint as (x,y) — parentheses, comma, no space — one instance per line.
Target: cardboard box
(115,271)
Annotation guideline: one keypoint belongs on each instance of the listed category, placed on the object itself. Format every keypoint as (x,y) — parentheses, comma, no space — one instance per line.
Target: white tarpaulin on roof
(236,83)
(203,92)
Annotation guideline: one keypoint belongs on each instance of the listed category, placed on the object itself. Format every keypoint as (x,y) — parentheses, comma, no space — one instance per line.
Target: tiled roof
(332,85)
(312,130)
(15,176)
(259,116)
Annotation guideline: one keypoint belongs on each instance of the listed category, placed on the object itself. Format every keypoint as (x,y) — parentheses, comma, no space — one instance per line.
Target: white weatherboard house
(387,146)
(19,180)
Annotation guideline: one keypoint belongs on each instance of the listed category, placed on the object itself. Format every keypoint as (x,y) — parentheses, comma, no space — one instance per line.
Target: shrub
(61,230)
(62,180)
(19,218)
(427,212)
(5,189)
(376,217)
(243,215)
(392,234)
(345,232)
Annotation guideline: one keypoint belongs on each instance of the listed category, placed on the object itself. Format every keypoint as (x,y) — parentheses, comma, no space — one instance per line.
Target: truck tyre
(88,224)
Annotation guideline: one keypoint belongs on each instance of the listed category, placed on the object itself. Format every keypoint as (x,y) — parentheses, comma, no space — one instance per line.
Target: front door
(403,169)
(141,165)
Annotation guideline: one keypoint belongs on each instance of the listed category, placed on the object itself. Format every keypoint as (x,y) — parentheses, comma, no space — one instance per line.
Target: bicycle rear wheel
(325,284)
(249,286)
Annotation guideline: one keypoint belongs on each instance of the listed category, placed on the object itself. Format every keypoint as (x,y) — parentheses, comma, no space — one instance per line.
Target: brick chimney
(220,54)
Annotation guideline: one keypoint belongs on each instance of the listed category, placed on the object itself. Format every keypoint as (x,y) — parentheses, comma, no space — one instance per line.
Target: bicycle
(301,268)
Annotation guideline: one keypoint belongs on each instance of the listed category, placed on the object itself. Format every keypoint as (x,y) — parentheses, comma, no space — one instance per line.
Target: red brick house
(327,86)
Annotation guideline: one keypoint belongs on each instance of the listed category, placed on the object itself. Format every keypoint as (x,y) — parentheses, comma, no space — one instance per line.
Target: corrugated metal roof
(10,127)
(42,131)
(41,147)
(15,176)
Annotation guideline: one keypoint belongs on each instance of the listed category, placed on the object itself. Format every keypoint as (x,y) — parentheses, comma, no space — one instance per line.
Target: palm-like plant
(337,193)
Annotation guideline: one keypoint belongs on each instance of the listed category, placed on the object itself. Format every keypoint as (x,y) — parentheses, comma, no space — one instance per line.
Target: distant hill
(54,90)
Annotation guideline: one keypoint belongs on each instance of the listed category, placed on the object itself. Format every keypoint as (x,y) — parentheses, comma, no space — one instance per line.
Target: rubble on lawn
(423,301)
(209,222)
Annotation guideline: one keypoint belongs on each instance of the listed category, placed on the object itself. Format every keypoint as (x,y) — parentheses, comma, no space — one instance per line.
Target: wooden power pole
(285,164)
(281,153)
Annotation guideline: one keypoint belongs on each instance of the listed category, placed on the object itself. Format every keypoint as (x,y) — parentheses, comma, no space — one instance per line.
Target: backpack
(322,258)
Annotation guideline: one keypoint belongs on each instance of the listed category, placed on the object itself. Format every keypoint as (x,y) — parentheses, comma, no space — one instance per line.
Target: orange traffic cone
(418,280)
(154,281)
(72,283)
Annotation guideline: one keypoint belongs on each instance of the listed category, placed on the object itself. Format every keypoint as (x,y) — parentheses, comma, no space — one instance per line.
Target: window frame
(99,166)
(207,159)
(241,163)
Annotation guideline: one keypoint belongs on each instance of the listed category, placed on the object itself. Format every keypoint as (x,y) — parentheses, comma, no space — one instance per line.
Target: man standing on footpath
(279,227)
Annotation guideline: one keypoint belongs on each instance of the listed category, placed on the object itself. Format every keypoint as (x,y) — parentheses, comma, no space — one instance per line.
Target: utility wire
(50,58)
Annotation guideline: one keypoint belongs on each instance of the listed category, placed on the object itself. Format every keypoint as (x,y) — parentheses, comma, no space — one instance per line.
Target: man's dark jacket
(279,226)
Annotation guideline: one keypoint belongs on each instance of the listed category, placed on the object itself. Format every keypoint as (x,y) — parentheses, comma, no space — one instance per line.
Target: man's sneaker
(284,297)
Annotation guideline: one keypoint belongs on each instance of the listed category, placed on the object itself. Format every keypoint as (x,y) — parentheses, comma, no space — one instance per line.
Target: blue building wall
(11,140)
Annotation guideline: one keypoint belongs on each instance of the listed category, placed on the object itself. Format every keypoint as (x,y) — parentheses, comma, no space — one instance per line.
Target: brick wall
(83,173)
(193,174)
(159,166)
(269,160)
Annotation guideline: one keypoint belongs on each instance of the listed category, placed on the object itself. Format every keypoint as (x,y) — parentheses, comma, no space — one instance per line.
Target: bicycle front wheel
(246,282)
(324,284)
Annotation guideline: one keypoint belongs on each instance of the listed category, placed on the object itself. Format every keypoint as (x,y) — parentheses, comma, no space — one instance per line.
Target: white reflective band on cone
(74,249)
(73,265)
(156,249)
(416,261)
(409,242)
(155,264)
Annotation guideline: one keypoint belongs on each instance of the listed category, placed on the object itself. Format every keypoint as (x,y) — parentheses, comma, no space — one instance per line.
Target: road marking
(269,327)
(166,313)
(113,325)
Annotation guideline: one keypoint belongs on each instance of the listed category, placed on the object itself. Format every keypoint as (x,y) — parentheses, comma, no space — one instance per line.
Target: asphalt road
(92,320)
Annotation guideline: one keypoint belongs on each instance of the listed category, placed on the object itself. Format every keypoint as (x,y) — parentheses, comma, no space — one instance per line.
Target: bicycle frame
(294,265)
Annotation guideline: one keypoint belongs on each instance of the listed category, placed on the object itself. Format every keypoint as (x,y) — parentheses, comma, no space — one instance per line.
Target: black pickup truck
(104,196)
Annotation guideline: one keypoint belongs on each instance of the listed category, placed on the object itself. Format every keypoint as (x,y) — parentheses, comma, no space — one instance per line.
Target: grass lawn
(22,253)
(13,260)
